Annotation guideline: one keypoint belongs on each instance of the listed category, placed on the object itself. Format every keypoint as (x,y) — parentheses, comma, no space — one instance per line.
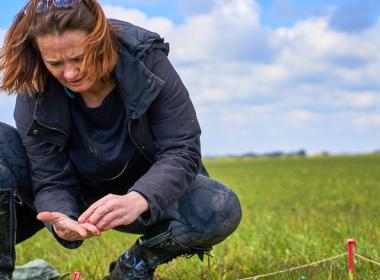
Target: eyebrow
(57,61)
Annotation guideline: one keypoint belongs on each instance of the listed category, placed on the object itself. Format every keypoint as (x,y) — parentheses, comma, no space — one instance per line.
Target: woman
(111,141)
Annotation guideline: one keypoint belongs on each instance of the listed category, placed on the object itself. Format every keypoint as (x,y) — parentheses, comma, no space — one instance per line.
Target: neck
(95,96)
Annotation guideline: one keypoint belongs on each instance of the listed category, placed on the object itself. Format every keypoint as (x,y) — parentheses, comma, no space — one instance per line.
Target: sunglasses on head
(43,5)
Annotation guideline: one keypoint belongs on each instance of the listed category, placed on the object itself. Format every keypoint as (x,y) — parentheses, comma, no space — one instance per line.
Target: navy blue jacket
(162,125)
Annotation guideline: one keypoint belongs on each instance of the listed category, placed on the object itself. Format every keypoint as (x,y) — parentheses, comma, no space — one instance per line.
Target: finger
(90,210)
(107,219)
(91,229)
(114,219)
(79,230)
(51,217)
(112,224)
(98,214)
(69,229)
(86,214)
(67,234)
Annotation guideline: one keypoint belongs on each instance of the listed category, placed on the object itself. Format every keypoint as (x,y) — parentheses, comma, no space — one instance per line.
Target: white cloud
(225,33)
(367,121)
(243,75)
(301,117)
(272,84)
(160,25)
(360,100)
(244,116)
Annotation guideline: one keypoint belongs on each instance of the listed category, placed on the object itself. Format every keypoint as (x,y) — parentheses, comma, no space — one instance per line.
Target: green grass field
(295,211)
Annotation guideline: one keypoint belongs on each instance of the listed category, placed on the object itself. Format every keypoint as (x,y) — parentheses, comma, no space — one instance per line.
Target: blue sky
(267,75)
(274,13)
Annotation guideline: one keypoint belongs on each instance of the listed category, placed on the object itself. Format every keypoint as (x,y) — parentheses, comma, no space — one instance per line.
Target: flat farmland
(296,210)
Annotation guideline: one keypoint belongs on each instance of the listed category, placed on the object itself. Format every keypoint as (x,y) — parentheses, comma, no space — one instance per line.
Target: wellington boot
(7,233)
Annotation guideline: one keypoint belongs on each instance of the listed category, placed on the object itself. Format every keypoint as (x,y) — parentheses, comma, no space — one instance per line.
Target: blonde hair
(20,61)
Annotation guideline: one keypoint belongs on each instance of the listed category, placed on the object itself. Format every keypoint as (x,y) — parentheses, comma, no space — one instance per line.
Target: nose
(70,73)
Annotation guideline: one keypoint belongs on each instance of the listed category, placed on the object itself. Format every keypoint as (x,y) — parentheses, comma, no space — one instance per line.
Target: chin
(78,88)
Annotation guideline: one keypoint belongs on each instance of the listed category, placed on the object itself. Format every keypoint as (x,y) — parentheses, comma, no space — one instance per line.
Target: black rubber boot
(7,233)
(141,260)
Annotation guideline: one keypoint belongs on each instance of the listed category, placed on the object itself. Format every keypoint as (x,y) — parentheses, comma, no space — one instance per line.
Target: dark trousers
(205,215)
(14,174)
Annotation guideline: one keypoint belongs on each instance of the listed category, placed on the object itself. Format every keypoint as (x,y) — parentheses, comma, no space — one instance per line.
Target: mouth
(75,82)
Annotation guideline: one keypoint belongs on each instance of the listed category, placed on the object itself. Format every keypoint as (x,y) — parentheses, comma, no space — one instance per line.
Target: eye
(78,59)
(54,64)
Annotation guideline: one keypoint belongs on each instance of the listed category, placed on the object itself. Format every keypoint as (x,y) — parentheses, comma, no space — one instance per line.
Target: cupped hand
(67,228)
(115,210)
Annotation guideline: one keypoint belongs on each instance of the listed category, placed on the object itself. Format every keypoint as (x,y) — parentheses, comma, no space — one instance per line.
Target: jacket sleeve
(53,179)
(176,132)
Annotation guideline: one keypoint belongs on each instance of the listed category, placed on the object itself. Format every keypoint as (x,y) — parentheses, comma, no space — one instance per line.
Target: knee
(215,211)
(7,132)
(226,209)
(14,168)
(7,179)
(10,141)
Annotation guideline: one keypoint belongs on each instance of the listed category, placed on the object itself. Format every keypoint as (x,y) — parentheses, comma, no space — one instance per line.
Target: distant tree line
(299,153)
(279,154)
(274,154)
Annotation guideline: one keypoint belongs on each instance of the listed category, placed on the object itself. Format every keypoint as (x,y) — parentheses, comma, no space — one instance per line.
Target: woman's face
(63,55)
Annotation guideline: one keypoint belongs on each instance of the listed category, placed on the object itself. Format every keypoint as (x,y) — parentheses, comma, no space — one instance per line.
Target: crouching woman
(107,138)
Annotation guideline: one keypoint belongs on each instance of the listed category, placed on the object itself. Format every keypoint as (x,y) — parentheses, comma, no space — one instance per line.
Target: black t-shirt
(100,147)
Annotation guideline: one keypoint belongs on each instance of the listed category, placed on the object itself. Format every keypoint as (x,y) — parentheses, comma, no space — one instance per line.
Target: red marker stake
(351,243)
(76,276)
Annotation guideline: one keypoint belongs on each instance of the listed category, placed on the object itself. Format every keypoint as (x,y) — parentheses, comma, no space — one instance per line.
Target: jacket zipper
(52,128)
(137,145)
(44,125)
(118,175)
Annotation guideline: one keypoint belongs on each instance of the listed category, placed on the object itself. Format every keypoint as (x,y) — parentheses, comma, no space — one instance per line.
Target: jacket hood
(137,84)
